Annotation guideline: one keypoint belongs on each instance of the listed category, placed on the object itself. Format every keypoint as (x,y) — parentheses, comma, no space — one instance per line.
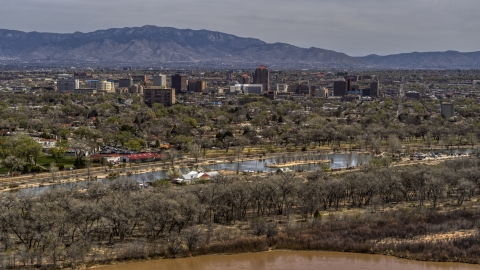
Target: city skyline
(353,27)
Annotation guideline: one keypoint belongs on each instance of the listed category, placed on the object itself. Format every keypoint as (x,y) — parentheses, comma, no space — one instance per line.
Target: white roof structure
(284,170)
(191,176)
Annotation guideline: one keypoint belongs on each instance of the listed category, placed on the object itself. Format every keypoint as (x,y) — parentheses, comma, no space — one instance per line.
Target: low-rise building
(321,92)
(159,94)
(247,89)
(193,176)
(67,84)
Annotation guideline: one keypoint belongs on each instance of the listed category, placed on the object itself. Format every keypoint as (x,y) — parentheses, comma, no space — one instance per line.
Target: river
(338,160)
(286,260)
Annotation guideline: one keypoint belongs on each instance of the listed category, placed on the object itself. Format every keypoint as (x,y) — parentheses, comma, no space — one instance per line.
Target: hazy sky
(355,27)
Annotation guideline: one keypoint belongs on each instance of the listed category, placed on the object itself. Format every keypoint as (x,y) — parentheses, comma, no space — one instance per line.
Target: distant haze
(351,26)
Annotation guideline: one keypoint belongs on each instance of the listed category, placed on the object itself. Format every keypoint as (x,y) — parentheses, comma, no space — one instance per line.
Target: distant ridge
(152,45)
(426,60)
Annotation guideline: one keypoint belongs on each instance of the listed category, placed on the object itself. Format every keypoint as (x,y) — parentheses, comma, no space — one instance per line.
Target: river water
(287,260)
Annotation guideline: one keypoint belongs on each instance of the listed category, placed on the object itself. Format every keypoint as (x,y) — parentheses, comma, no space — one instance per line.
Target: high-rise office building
(192,86)
(67,84)
(197,86)
(375,89)
(201,85)
(179,83)
(245,79)
(125,82)
(340,88)
(159,94)
(160,80)
(262,76)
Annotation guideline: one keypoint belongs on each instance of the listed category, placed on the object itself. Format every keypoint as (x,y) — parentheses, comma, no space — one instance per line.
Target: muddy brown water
(286,260)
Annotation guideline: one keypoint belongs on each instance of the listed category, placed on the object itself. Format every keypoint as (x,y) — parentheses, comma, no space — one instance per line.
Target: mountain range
(152,45)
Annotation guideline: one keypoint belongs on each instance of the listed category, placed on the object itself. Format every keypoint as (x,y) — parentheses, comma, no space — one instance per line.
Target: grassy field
(46,160)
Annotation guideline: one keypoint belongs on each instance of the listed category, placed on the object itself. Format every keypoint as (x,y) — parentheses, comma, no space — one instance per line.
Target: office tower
(159,94)
(179,83)
(201,85)
(340,88)
(125,82)
(67,84)
(192,86)
(262,76)
(245,79)
(197,86)
(375,89)
(160,80)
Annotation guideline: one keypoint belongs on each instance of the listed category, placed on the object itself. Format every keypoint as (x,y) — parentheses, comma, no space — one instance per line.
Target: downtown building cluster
(174,86)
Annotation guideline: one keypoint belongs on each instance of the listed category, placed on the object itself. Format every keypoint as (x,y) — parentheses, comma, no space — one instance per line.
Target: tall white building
(67,84)
(160,80)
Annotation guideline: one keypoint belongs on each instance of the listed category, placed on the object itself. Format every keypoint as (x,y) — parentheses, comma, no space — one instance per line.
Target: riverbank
(296,163)
(447,237)
(250,247)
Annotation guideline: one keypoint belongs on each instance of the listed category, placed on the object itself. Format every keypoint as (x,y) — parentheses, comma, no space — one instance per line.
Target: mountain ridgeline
(151,45)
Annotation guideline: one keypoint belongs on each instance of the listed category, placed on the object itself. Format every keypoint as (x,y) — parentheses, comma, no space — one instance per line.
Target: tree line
(67,227)
(244,121)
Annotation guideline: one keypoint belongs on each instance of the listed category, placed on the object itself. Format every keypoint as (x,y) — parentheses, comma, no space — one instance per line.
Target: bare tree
(394,144)
(193,237)
(53,170)
(195,151)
